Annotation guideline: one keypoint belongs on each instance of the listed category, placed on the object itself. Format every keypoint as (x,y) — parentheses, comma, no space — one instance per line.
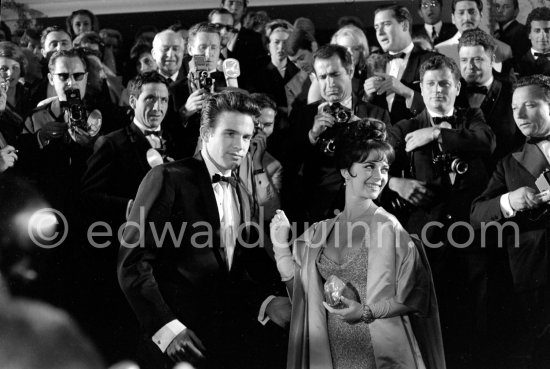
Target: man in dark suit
(433,27)
(437,173)
(188,96)
(313,186)
(115,170)
(536,60)
(480,89)
(199,297)
(246,45)
(509,30)
(515,198)
(394,90)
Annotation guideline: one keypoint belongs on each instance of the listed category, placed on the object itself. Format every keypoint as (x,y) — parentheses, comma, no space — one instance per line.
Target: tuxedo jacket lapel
(493,94)
(140,146)
(212,215)
(532,159)
(412,68)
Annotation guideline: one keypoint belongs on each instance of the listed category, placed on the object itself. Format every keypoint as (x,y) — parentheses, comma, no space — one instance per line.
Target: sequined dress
(350,344)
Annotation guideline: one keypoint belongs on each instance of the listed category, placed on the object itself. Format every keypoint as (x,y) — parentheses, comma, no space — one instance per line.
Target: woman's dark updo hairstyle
(355,141)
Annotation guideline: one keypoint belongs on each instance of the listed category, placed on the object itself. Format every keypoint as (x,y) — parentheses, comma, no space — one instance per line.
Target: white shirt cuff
(505,206)
(166,334)
(409,101)
(262,318)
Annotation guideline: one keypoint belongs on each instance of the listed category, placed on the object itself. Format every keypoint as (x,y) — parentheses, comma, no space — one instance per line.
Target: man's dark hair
(264,101)
(135,85)
(299,39)
(536,80)
(330,50)
(201,27)
(421,1)
(479,4)
(73,53)
(438,62)
(84,12)
(49,30)
(227,101)
(221,11)
(245,5)
(400,13)
(178,26)
(356,141)
(537,14)
(477,37)
(89,37)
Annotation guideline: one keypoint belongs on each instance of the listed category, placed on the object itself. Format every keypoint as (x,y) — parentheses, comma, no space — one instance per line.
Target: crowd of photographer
(467,114)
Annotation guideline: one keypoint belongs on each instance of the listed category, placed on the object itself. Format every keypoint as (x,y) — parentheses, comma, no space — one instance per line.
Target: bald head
(168,52)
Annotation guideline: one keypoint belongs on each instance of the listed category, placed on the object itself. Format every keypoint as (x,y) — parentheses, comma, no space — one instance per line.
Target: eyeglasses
(65,76)
(429,4)
(220,26)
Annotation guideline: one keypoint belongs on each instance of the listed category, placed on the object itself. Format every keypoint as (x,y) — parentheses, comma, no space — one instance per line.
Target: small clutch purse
(335,288)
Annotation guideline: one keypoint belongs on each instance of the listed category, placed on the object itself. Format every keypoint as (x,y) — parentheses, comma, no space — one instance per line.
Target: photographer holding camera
(190,92)
(313,186)
(437,173)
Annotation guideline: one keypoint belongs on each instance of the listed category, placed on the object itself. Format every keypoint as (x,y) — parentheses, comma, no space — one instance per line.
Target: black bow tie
(149,132)
(475,89)
(395,56)
(536,140)
(438,120)
(217,178)
(544,55)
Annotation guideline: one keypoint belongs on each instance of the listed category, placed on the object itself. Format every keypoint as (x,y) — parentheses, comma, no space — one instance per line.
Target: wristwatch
(367,317)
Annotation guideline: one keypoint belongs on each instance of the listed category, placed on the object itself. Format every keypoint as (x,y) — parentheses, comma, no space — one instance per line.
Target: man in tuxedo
(517,195)
(437,173)
(199,297)
(508,29)
(433,27)
(395,90)
(466,14)
(122,158)
(313,187)
(246,45)
(480,89)
(536,60)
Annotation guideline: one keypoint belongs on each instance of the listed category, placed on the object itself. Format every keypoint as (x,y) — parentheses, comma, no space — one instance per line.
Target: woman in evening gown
(387,316)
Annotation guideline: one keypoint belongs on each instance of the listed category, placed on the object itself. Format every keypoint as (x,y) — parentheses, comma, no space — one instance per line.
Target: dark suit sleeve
(486,207)
(474,139)
(138,252)
(97,181)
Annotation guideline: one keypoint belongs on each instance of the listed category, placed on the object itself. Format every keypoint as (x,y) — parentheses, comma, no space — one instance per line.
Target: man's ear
(50,78)
(132,100)
(204,133)
(44,53)
(458,88)
(345,173)
(406,26)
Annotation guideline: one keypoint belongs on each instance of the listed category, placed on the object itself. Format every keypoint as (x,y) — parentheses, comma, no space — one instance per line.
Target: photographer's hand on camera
(195,102)
(421,137)
(414,191)
(258,146)
(81,137)
(52,131)
(8,156)
(321,122)
(525,198)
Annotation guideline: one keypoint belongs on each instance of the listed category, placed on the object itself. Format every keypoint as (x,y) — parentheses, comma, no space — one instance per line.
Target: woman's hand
(279,230)
(351,314)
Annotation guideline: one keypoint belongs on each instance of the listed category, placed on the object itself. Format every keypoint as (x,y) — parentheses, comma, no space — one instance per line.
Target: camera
(199,75)
(341,115)
(78,117)
(449,163)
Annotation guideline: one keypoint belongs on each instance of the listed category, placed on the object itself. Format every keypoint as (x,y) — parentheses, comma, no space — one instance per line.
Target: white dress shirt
(154,140)
(429,29)
(396,68)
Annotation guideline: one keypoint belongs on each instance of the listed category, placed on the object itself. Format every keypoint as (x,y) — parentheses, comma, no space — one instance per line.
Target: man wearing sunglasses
(222,19)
